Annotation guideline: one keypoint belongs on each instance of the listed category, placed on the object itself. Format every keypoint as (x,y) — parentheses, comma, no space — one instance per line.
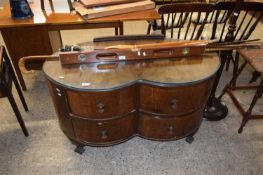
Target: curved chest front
(154,110)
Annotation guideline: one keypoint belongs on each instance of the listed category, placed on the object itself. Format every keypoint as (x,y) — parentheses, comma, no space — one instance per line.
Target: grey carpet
(218,148)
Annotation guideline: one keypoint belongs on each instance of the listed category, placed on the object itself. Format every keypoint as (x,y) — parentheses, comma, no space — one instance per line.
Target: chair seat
(255,59)
(257,64)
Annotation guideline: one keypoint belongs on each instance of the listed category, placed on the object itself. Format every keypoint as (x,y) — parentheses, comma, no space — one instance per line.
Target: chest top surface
(107,76)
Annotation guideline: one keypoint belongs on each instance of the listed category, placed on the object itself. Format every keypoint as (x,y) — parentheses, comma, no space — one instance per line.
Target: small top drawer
(173,100)
(100,105)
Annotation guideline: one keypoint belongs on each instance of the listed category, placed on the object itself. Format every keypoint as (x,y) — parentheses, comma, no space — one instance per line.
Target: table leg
(121,28)
(26,41)
(55,40)
(116,31)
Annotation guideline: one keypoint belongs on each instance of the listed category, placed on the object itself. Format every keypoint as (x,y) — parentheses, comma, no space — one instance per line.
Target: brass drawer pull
(171,130)
(174,103)
(101,107)
(104,134)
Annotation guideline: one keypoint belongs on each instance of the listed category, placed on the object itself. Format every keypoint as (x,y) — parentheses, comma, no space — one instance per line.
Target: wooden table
(41,34)
(101,104)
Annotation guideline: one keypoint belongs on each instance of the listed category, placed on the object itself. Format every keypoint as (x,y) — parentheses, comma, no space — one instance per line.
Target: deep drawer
(97,132)
(99,105)
(173,100)
(161,128)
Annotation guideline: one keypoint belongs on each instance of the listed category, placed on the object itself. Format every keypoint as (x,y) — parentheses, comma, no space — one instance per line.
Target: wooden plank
(95,3)
(90,13)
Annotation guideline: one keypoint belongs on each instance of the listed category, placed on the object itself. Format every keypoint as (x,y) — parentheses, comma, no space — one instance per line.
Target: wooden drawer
(161,128)
(99,105)
(104,132)
(175,100)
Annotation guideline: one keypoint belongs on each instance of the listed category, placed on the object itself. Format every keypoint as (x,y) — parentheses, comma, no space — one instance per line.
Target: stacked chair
(7,76)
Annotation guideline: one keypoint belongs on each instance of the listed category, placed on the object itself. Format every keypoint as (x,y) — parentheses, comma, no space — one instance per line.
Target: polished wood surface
(103,104)
(103,132)
(160,128)
(62,15)
(96,3)
(174,101)
(135,52)
(106,104)
(113,75)
(92,13)
(42,32)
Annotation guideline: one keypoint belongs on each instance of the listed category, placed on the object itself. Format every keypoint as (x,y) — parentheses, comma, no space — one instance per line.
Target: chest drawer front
(158,128)
(99,105)
(173,100)
(104,132)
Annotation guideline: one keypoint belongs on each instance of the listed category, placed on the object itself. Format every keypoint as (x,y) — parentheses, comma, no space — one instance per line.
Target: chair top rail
(186,7)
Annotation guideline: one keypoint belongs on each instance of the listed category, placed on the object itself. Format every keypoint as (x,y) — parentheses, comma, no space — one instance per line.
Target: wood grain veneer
(161,100)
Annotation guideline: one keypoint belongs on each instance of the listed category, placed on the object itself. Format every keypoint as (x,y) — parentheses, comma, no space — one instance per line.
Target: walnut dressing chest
(104,104)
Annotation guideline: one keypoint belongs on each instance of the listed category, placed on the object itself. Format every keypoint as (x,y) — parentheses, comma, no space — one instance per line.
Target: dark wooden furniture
(249,14)
(7,76)
(156,25)
(41,34)
(178,19)
(253,57)
(104,104)
(241,20)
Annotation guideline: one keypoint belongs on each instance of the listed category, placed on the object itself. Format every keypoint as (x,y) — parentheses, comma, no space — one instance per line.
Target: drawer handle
(104,134)
(170,130)
(174,103)
(101,107)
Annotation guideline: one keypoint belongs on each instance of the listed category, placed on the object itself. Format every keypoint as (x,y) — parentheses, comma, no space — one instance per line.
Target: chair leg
(229,59)
(228,63)
(235,68)
(20,92)
(255,76)
(42,5)
(149,28)
(234,78)
(17,113)
(116,31)
(249,111)
(71,8)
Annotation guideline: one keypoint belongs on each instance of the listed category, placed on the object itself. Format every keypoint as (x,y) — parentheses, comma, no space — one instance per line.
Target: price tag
(122,57)
(85,84)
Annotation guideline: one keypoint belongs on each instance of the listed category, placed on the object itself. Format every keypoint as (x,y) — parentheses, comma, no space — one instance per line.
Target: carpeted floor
(218,148)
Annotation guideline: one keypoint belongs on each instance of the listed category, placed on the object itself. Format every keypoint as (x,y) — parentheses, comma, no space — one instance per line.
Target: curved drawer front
(174,100)
(104,132)
(99,105)
(160,128)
